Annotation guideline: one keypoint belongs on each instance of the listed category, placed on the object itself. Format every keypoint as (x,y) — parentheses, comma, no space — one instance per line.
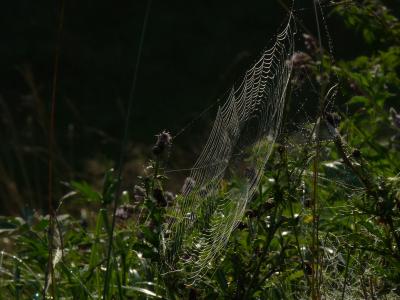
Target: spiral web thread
(246,126)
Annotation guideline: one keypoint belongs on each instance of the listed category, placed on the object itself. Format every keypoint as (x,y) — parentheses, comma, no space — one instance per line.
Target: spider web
(246,126)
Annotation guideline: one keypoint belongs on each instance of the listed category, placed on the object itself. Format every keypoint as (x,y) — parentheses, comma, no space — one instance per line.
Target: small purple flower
(124,212)
(310,42)
(300,60)
(164,140)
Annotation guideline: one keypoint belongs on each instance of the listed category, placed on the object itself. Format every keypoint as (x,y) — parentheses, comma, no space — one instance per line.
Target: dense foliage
(324,224)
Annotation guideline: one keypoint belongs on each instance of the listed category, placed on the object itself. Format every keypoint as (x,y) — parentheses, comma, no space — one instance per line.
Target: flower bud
(164,141)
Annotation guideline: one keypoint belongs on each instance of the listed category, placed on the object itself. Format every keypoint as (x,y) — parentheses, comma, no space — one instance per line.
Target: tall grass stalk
(51,142)
(315,289)
(107,277)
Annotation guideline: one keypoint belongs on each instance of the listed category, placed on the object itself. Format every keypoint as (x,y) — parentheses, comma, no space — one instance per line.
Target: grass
(271,255)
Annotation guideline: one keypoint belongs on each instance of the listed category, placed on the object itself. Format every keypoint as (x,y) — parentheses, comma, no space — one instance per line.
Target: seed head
(164,141)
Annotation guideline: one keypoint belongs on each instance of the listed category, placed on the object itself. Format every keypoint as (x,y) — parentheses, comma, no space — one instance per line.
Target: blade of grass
(121,158)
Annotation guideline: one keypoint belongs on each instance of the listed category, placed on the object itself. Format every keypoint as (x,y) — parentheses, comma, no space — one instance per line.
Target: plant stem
(121,158)
(51,142)
(315,237)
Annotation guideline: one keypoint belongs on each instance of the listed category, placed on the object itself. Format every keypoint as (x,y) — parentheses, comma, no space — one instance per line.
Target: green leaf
(359,99)
(295,275)
(86,191)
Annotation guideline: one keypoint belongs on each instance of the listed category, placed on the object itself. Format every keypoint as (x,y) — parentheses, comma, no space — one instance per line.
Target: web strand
(239,145)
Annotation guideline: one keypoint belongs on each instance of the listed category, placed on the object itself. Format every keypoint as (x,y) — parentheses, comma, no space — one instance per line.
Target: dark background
(193,51)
